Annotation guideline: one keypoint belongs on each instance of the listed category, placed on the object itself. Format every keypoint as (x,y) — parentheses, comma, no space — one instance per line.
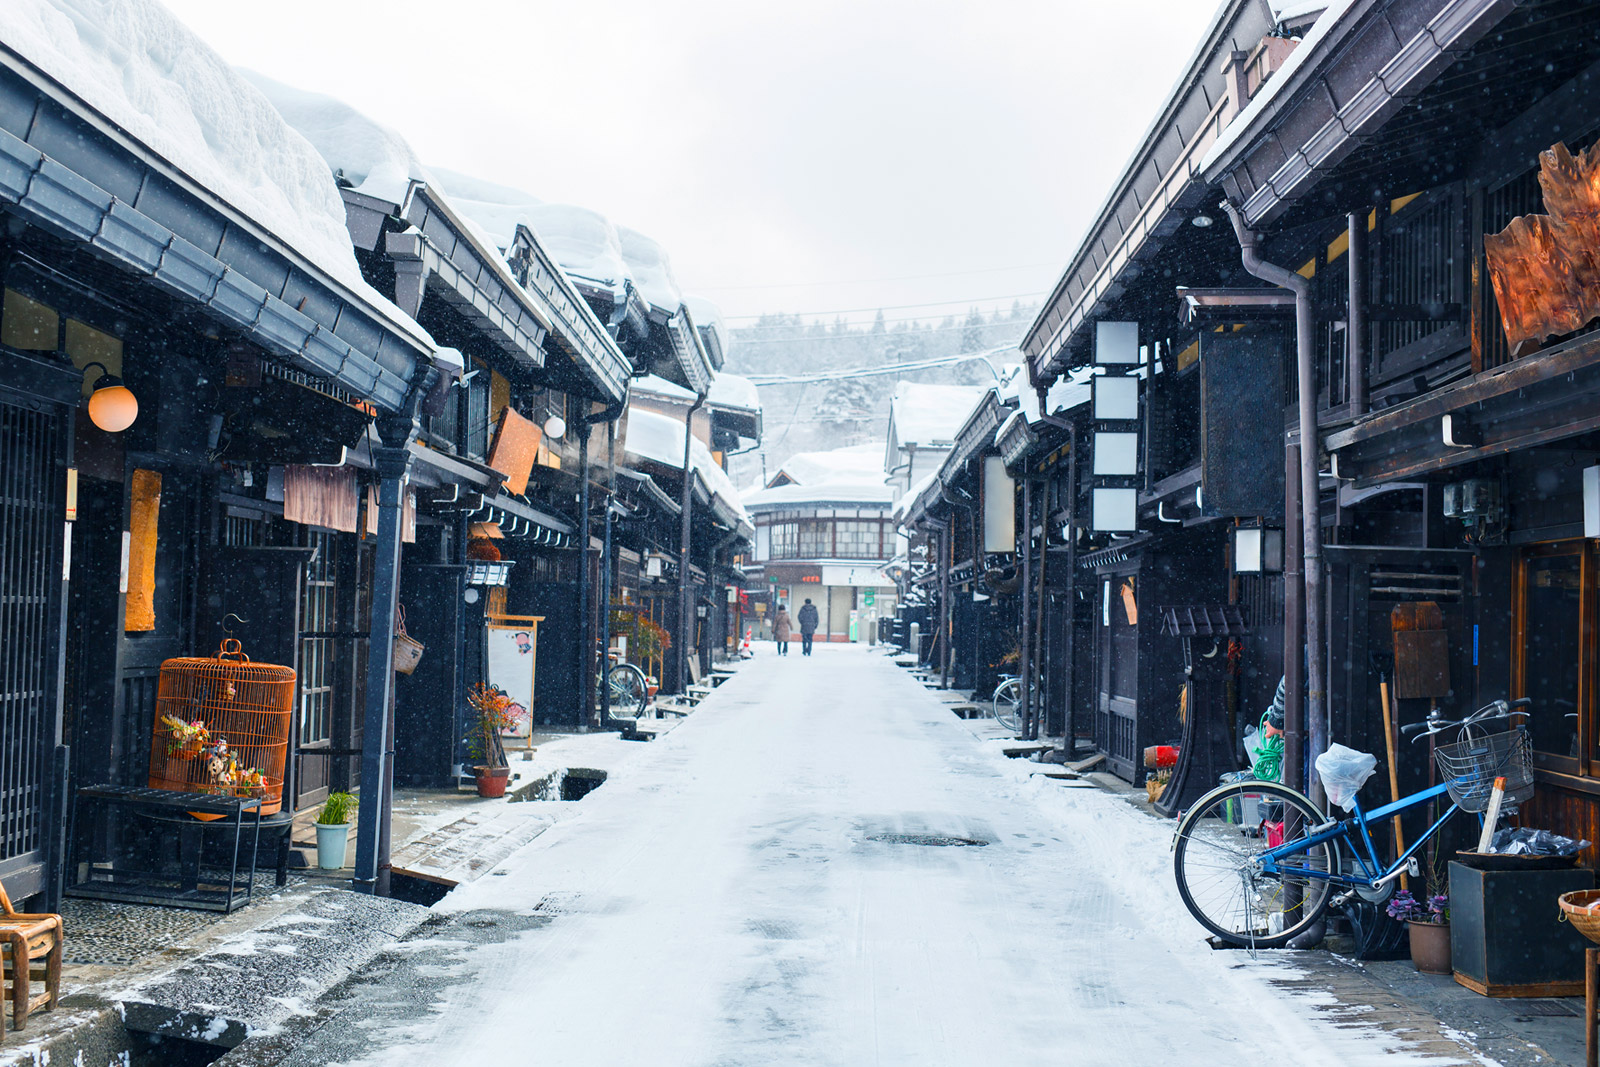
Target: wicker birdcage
(222,726)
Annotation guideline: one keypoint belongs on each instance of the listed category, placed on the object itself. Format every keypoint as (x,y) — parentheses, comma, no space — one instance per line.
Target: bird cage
(222,726)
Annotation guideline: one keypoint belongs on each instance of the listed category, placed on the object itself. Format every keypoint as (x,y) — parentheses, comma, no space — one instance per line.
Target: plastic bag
(1343,772)
(1521,841)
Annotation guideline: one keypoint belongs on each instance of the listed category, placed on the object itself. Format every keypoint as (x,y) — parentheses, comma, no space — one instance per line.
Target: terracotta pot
(492,780)
(1430,947)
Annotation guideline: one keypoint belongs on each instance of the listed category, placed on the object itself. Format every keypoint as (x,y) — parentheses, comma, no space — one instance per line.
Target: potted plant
(333,830)
(1429,928)
(496,712)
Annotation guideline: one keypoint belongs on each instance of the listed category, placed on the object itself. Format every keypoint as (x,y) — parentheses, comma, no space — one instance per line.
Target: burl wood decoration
(1546,268)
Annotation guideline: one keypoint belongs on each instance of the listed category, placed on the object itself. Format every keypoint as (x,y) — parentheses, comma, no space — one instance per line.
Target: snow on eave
(931,416)
(1242,124)
(795,494)
(658,438)
(161,87)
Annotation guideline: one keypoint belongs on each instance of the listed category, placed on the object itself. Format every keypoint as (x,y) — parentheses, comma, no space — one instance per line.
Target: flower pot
(331,841)
(492,780)
(1430,947)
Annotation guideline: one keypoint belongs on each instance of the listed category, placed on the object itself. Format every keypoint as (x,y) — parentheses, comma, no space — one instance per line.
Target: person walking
(808,626)
(781,628)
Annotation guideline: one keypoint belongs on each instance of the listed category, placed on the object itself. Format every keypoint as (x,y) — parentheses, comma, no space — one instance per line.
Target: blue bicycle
(1256,862)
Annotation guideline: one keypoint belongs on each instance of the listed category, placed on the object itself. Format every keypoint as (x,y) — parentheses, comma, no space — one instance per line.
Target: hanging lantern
(112,405)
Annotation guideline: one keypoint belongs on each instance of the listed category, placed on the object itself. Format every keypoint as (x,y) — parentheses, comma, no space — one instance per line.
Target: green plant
(336,810)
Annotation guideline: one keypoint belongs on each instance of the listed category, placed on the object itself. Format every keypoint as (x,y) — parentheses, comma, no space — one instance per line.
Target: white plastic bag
(1343,772)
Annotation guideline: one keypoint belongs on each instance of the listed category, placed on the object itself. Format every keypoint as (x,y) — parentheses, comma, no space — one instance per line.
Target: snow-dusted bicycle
(1256,862)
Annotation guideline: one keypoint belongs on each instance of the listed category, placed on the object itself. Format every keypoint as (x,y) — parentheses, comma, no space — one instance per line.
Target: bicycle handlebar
(1499,709)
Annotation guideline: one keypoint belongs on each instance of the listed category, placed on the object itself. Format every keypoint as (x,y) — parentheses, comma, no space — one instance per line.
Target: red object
(492,780)
(1159,756)
(1274,833)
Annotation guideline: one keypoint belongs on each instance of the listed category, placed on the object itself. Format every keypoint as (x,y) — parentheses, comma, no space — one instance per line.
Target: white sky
(851,144)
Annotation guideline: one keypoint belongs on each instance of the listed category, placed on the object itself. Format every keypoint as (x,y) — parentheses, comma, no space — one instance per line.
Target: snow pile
(137,65)
(652,271)
(372,158)
(584,242)
(930,415)
(496,209)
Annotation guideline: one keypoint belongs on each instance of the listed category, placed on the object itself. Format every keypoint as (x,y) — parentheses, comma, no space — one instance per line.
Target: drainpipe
(1024,657)
(685,608)
(392,459)
(946,561)
(1355,323)
(586,672)
(1316,722)
(605,573)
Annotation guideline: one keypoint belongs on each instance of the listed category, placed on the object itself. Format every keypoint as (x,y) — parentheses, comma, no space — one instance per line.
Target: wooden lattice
(222,726)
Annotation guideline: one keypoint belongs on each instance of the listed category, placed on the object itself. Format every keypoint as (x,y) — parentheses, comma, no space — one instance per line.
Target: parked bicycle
(1256,863)
(629,690)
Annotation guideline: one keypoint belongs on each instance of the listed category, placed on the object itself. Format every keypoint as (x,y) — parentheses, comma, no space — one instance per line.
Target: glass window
(1552,600)
(816,539)
(29,325)
(86,345)
(859,539)
(784,540)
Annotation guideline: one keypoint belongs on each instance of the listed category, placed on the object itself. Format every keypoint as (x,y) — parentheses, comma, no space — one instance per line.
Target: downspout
(1024,651)
(685,609)
(946,631)
(586,630)
(606,568)
(1355,322)
(1315,721)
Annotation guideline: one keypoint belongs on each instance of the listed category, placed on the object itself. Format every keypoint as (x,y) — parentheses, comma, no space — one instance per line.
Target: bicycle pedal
(1413,868)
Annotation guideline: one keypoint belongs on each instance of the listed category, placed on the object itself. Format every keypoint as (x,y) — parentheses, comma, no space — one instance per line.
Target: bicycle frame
(1373,873)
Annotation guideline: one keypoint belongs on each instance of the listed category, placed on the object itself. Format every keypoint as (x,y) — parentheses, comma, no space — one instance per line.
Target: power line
(892,307)
(870,281)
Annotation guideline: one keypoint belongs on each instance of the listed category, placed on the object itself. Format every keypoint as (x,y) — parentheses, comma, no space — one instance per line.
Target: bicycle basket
(1470,767)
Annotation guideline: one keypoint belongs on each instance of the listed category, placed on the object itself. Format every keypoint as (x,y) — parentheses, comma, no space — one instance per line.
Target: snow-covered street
(729,897)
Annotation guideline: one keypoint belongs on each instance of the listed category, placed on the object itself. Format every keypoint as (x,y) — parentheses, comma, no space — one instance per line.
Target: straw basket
(1575,910)
(222,726)
(407,649)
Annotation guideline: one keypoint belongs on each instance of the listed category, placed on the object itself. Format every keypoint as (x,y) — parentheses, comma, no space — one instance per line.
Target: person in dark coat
(781,627)
(808,626)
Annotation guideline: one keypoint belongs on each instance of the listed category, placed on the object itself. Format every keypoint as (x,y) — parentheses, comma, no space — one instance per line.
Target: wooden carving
(1546,268)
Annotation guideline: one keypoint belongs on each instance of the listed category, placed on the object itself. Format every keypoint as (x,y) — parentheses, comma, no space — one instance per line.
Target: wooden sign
(1546,268)
(515,448)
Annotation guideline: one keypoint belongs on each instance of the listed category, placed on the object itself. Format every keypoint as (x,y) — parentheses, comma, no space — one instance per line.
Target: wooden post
(1591,963)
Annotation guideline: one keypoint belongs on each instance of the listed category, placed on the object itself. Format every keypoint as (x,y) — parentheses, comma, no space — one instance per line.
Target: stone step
(470,847)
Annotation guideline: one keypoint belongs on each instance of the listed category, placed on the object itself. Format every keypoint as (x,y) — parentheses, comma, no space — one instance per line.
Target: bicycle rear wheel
(629,692)
(1219,877)
(1007,704)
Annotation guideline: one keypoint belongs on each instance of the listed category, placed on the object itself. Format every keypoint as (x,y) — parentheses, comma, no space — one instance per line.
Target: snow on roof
(584,242)
(925,415)
(1293,10)
(373,158)
(918,487)
(1065,393)
(733,391)
(652,271)
(137,65)
(1243,121)
(496,209)
(708,315)
(659,439)
(854,463)
(728,391)
(837,492)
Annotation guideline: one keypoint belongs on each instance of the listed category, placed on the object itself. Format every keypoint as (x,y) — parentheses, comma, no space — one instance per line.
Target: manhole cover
(1561,1008)
(936,840)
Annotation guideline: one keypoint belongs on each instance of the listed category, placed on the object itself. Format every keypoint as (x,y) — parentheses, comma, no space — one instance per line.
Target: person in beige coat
(781,626)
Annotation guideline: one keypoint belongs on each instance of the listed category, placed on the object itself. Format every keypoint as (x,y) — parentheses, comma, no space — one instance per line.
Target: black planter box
(1505,937)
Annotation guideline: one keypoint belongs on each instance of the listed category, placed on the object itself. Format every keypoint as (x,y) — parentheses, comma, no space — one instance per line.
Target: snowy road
(722,900)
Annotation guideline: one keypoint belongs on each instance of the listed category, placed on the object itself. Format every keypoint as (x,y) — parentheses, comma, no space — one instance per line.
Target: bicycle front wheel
(1216,860)
(1007,702)
(629,692)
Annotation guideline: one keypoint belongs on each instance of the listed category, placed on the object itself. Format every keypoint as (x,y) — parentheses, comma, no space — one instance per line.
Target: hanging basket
(407,649)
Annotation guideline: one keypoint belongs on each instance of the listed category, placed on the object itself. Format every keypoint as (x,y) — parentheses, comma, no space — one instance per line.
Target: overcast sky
(791,157)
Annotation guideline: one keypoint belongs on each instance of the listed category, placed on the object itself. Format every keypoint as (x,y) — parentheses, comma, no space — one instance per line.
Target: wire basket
(1470,767)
